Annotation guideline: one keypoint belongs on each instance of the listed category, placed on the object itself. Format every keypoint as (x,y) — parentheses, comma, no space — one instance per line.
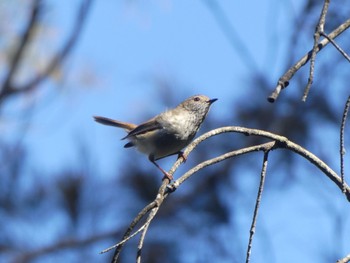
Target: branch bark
(278,142)
(283,82)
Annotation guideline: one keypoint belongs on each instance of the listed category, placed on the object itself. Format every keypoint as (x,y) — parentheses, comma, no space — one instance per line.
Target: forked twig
(283,81)
(317,35)
(165,189)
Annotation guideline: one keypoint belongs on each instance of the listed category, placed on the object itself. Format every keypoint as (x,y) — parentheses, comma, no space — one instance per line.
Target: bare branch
(66,49)
(165,189)
(317,35)
(342,147)
(142,229)
(64,244)
(135,221)
(261,147)
(283,82)
(7,88)
(281,142)
(257,205)
(143,235)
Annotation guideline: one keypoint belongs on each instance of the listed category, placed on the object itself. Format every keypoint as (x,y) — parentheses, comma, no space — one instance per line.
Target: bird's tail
(115,123)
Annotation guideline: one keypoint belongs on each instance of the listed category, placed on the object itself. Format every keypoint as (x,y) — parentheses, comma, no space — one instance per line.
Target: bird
(167,133)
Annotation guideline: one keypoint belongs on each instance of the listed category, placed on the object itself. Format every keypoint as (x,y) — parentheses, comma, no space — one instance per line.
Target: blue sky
(126,47)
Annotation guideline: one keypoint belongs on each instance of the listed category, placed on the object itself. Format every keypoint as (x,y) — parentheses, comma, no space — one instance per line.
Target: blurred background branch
(8,87)
(68,188)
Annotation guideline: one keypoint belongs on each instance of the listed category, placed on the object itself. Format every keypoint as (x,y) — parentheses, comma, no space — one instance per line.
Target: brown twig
(283,82)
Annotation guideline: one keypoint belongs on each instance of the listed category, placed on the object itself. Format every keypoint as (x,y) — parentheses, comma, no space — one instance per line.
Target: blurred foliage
(79,206)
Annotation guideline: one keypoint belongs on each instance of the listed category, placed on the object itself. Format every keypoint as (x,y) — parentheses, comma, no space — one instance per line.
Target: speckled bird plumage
(167,133)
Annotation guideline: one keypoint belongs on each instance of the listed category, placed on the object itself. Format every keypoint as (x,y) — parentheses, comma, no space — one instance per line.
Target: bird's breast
(160,143)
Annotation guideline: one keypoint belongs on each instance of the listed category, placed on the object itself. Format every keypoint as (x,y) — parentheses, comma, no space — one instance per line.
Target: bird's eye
(196,99)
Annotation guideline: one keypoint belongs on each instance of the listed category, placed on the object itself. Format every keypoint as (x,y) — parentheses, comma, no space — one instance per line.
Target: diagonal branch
(58,59)
(66,49)
(7,88)
(278,142)
(283,82)
(69,243)
(281,142)
(346,56)
(344,260)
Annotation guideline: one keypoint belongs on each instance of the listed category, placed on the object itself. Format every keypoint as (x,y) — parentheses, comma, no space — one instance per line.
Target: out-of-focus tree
(75,214)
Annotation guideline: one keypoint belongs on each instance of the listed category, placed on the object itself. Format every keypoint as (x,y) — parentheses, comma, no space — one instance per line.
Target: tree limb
(283,82)
(165,189)
(8,87)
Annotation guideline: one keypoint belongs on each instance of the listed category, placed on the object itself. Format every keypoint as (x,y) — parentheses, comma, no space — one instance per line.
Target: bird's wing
(107,121)
(147,126)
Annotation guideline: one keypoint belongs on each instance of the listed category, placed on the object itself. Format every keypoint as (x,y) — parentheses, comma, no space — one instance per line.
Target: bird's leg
(180,154)
(166,174)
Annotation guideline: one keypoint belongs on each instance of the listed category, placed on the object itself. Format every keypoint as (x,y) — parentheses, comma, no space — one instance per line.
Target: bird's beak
(212,101)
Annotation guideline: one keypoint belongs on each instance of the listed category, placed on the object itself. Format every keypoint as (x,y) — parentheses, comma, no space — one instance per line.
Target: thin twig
(257,205)
(342,147)
(151,206)
(141,242)
(142,229)
(346,56)
(125,239)
(134,222)
(165,189)
(261,147)
(283,81)
(143,235)
(317,35)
